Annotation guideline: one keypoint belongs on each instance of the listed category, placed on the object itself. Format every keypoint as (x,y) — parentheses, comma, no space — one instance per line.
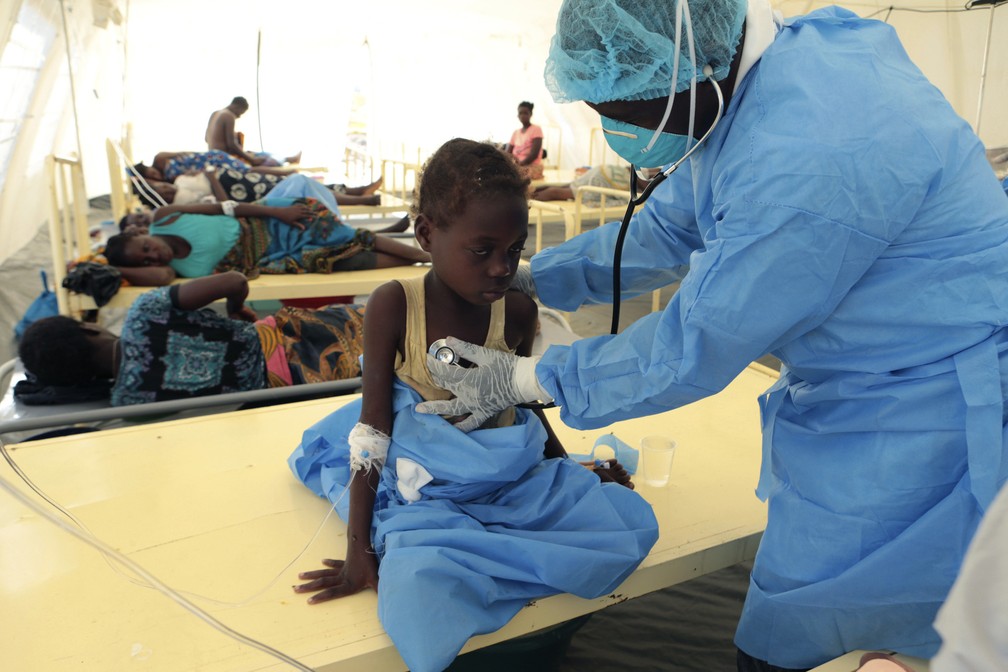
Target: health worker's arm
(767,275)
(656,252)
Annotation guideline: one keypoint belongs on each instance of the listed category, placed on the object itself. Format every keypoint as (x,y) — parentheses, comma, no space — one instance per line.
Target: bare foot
(373,187)
(398,227)
(294,159)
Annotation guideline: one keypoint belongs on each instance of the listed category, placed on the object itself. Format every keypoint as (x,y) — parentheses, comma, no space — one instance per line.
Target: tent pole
(73,88)
(983,69)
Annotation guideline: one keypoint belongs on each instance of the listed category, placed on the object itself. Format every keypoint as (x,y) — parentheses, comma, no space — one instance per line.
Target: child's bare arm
(383,324)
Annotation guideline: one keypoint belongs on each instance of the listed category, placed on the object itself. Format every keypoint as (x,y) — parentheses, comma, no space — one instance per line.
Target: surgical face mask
(631,143)
(654,149)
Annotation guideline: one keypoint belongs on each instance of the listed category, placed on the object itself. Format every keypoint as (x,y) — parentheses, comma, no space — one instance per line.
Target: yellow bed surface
(209,506)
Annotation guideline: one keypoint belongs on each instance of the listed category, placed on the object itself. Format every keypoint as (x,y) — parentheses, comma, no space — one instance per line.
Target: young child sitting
(468,526)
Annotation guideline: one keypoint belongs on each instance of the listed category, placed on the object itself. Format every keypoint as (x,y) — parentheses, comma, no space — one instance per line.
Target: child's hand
(612,471)
(343,578)
(293,214)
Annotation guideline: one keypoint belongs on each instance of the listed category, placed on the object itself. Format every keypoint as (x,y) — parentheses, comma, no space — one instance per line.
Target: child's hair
(462,170)
(527,104)
(115,247)
(56,351)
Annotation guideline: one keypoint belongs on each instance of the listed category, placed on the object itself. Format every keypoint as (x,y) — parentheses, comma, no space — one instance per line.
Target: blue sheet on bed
(497,526)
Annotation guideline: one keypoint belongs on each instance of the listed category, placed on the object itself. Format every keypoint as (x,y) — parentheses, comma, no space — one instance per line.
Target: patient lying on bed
(467,527)
(228,184)
(171,347)
(275,235)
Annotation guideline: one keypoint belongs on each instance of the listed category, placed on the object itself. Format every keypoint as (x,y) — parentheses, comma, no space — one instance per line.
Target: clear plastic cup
(657,453)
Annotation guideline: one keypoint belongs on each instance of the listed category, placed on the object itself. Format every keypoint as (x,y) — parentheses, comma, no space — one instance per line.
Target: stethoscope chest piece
(440,351)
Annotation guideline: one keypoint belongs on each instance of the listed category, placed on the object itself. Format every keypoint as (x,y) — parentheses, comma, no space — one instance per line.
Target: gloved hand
(524,282)
(498,380)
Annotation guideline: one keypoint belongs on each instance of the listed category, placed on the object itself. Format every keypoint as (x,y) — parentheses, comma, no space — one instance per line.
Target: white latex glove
(524,282)
(498,380)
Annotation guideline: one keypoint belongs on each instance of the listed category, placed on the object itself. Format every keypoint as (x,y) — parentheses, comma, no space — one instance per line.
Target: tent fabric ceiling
(428,71)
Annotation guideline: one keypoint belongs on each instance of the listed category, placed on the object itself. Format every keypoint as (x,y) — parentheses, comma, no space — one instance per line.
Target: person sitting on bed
(526,143)
(172,347)
(220,134)
(275,235)
(228,184)
(473,525)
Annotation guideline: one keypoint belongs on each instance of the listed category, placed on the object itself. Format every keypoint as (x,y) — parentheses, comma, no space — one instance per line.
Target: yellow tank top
(412,368)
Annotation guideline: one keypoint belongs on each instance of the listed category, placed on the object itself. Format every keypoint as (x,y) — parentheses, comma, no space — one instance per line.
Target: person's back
(216,137)
(220,131)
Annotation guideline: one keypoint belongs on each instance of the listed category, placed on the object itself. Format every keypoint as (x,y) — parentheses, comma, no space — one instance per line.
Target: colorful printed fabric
(168,353)
(245,186)
(273,247)
(311,346)
(215,158)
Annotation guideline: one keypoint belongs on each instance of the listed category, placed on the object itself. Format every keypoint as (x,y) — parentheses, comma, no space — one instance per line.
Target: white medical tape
(228,207)
(368,447)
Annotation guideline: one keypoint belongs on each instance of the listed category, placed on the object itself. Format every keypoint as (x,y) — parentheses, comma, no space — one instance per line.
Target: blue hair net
(606,50)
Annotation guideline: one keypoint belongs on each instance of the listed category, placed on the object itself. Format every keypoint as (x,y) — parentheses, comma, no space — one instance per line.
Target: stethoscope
(440,350)
(637,200)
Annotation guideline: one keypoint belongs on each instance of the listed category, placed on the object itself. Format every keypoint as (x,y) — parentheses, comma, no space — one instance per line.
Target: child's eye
(480,251)
(518,249)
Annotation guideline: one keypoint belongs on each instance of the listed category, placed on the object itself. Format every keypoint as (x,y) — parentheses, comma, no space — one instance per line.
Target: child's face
(477,253)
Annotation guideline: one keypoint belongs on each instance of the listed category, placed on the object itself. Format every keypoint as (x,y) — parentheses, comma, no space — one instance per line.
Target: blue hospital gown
(865,246)
(497,527)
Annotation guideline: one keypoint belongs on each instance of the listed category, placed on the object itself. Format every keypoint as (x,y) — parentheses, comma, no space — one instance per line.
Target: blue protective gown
(497,527)
(843,218)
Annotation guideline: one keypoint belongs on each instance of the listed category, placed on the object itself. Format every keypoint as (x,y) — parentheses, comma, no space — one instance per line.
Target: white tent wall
(427,71)
(430,71)
(48,126)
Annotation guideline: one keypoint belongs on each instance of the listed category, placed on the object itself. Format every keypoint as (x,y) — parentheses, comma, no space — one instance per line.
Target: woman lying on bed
(274,235)
(172,347)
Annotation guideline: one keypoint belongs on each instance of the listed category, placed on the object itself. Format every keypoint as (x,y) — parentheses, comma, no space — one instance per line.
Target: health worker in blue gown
(838,215)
